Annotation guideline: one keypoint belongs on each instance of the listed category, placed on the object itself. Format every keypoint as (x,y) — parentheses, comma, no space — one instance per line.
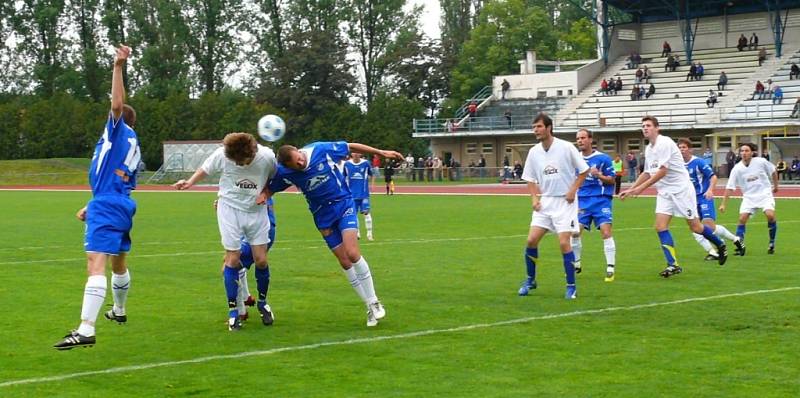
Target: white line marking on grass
(280,248)
(364,340)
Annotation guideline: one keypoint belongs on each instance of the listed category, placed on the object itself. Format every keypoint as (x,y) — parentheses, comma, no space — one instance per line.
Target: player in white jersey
(758,180)
(245,168)
(550,172)
(664,168)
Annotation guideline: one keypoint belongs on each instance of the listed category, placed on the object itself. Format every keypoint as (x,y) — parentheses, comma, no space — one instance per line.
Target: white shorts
(235,224)
(751,204)
(556,215)
(683,204)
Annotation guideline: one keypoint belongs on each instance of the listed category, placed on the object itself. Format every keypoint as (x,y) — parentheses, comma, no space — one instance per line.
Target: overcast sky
(430,16)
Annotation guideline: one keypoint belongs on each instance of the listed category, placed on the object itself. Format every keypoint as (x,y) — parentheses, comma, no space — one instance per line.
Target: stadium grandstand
(706,33)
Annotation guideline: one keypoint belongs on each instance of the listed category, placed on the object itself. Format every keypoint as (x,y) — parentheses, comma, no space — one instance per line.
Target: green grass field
(447,269)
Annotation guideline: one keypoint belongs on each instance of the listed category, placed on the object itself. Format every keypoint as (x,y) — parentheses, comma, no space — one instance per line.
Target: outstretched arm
(117,86)
(366,149)
(186,184)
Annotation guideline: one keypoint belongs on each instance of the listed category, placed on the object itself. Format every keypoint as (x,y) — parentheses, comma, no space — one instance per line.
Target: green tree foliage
(211,39)
(39,27)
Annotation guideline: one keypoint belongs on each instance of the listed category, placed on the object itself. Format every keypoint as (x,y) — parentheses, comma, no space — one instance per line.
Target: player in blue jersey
(594,201)
(109,214)
(357,174)
(704,180)
(312,169)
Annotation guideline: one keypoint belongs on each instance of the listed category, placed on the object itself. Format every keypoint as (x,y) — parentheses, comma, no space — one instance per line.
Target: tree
(211,39)
(85,15)
(38,23)
(380,31)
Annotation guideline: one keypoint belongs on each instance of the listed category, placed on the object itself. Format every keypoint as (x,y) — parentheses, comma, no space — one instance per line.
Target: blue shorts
(109,219)
(705,208)
(594,208)
(362,205)
(337,216)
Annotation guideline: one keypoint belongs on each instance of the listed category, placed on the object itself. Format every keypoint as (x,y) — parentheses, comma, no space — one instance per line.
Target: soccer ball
(271,128)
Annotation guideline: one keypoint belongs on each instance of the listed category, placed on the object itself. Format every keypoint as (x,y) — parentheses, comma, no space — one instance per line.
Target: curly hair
(240,147)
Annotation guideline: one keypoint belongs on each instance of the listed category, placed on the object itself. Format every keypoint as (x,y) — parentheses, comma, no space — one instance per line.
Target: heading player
(704,180)
(109,215)
(665,169)
(357,174)
(550,172)
(758,180)
(244,167)
(312,170)
(594,201)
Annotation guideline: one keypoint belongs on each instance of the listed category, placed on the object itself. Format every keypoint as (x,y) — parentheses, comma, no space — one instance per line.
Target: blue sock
(709,234)
(231,278)
(740,231)
(668,246)
(531,255)
(262,281)
(773,229)
(569,267)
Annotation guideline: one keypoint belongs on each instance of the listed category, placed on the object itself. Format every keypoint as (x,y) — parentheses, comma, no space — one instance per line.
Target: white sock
(243,291)
(355,283)
(610,248)
(365,277)
(577,247)
(723,232)
(119,289)
(93,296)
(704,243)
(368,223)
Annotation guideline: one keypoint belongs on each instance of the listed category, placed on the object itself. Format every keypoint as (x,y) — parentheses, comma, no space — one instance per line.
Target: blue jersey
(321,182)
(357,177)
(700,173)
(593,186)
(115,161)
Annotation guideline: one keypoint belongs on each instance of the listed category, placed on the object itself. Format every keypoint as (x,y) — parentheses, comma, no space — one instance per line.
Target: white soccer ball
(271,128)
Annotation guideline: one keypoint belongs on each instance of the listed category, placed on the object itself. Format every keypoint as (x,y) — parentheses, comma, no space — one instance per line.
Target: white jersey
(554,169)
(754,179)
(239,186)
(664,152)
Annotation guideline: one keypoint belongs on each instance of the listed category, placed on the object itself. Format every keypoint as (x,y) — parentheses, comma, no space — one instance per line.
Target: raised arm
(117,86)
(366,149)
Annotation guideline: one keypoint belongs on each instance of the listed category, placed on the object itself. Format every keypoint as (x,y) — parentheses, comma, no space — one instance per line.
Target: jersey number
(133,157)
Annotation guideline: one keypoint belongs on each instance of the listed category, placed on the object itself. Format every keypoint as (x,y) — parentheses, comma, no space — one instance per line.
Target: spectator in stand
(759,91)
(429,169)
(753,42)
(647,74)
(742,43)
(505,86)
(437,168)
(765,154)
(642,92)
(472,108)
(781,168)
(633,164)
(639,75)
(482,166)
(708,156)
(376,166)
(448,126)
(677,62)
(692,72)
(777,95)
(762,55)
(796,111)
(420,169)
(794,72)
(618,172)
(612,87)
(665,50)
(712,98)
(700,71)
(722,82)
(730,159)
(795,167)
(634,60)
(604,87)
(517,170)
(618,85)
(668,65)
(650,91)
(635,93)
(507,115)
(409,166)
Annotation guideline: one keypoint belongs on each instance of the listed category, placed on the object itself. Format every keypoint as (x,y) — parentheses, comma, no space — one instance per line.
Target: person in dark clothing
(388,176)
(742,43)
(665,49)
(753,42)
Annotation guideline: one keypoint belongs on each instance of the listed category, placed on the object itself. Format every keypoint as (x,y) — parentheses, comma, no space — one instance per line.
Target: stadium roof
(664,10)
